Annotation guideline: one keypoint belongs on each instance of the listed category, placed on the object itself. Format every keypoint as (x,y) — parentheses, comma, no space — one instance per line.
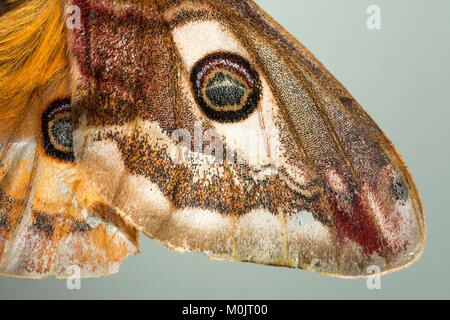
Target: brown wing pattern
(307,179)
(334,131)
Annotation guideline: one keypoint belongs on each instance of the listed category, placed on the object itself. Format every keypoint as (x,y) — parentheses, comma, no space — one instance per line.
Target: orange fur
(33,57)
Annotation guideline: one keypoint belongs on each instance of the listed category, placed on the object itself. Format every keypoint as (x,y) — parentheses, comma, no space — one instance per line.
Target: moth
(201,123)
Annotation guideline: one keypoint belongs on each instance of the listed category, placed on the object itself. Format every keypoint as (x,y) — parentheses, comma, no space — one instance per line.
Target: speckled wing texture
(52,221)
(211,129)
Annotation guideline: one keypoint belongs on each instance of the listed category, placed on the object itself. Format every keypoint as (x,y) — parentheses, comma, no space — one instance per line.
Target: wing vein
(24,204)
(247,43)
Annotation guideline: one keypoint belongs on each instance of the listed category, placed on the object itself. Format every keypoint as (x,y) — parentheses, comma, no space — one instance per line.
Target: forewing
(366,186)
(277,163)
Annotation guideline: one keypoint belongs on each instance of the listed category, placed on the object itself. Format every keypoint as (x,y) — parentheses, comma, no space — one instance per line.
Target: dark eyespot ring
(57,130)
(226,87)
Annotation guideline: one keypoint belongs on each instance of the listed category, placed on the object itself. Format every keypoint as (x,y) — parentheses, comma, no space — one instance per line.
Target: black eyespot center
(62,132)
(224,90)
(57,139)
(226,87)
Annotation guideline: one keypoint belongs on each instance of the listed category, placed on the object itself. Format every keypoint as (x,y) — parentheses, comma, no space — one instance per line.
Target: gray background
(400,74)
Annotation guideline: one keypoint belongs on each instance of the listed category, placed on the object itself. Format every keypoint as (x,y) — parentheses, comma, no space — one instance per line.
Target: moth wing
(364,183)
(52,222)
(325,192)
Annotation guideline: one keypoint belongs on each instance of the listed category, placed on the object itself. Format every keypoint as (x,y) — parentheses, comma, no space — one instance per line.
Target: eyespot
(57,130)
(399,189)
(226,87)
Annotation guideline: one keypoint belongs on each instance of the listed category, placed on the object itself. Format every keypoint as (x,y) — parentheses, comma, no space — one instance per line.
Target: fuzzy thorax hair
(33,55)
